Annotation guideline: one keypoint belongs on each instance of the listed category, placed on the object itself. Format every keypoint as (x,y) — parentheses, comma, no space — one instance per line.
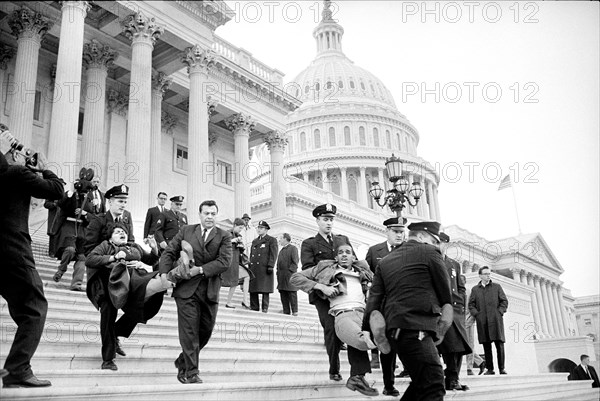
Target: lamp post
(402,191)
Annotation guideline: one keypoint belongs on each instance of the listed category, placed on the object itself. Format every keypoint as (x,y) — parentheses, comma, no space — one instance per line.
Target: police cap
(327,210)
(395,222)
(432,227)
(264,224)
(177,198)
(118,191)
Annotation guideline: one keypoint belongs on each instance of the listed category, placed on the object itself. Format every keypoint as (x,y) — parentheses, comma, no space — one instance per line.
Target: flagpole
(512,187)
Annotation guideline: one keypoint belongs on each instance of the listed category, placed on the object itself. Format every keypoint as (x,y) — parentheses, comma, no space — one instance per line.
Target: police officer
(417,308)
(169,222)
(21,285)
(262,263)
(313,250)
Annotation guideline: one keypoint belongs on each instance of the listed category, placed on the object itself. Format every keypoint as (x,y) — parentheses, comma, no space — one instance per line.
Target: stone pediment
(531,247)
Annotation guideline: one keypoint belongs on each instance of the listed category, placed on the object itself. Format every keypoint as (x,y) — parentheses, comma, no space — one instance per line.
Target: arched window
(375,137)
(398,141)
(351,84)
(340,84)
(317,86)
(352,194)
(388,139)
(407,149)
(317,139)
(297,92)
(362,85)
(347,138)
(361,136)
(302,142)
(329,85)
(331,136)
(306,89)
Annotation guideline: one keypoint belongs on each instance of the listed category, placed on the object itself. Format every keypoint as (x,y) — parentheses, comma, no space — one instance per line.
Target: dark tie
(118,219)
(330,240)
(204,234)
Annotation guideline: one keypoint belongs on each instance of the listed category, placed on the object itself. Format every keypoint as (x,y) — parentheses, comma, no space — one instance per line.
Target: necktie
(118,219)
(96,197)
(204,234)
(161,209)
(329,240)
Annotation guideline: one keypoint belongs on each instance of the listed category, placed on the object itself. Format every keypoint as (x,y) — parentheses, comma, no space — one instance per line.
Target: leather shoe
(119,350)
(180,373)
(229,306)
(78,288)
(481,367)
(358,383)
(402,374)
(193,379)
(503,372)
(489,372)
(470,372)
(245,306)
(455,385)
(392,392)
(335,376)
(109,365)
(31,382)
(377,323)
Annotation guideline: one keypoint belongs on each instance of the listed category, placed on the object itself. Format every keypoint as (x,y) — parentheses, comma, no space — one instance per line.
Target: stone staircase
(251,356)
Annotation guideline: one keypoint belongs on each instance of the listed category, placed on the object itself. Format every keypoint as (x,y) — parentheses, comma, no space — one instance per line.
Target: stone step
(582,393)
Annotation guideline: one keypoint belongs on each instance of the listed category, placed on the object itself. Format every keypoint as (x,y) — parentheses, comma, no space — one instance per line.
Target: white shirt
(208,231)
(354,298)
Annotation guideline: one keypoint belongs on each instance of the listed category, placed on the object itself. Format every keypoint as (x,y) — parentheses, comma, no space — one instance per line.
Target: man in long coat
(262,263)
(170,222)
(455,343)
(287,264)
(488,304)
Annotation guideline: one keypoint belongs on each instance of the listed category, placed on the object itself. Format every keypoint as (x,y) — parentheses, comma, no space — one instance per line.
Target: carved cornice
(117,102)
(161,82)
(212,13)
(276,141)
(137,27)
(198,59)
(240,122)
(6,53)
(97,55)
(26,23)
(168,122)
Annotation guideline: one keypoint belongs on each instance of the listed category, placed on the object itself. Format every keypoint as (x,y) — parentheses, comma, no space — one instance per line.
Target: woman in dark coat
(238,268)
(140,297)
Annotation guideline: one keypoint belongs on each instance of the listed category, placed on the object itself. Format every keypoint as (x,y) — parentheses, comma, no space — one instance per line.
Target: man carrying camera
(21,285)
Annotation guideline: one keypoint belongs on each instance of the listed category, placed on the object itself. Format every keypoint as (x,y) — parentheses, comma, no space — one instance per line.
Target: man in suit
(262,263)
(95,199)
(197,298)
(153,214)
(21,285)
(287,264)
(456,341)
(313,250)
(417,308)
(584,371)
(488,304)
(248,234)
(170,222)
(395,232)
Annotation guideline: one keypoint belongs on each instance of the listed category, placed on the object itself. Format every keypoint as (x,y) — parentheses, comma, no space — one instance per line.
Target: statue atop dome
(326,13)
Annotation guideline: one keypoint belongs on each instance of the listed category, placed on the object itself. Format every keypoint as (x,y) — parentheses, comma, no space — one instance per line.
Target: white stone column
(325,180)
(380,178)
(432,215)
(29,27)
(547,310)
(343,183)
(143,33)
(516,273)
(241,125)
(559,316)
(528,279)
(563,310)
(541,309)
(160,83)
(200,168)
(553,310)
(98,58)
(276,142)
(362,187)
(116,106)
(62,142)
(6,53)
(438,216)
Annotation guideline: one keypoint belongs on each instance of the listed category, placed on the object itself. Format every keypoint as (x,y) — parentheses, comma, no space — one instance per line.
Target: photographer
(21,285)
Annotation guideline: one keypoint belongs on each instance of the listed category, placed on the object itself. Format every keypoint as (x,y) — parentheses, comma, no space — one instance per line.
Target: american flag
(505,183)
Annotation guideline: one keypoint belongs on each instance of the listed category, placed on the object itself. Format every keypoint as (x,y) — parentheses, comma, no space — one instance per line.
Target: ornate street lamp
(401,191)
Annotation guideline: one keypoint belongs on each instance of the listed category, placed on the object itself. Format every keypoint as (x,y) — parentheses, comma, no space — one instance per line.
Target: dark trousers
(422,361)
(254,301)
(453,362)
(388,366)
(70,254)
(196,317)
(111,328)
(359,360)
(489,360)
(23,291)
(289,300)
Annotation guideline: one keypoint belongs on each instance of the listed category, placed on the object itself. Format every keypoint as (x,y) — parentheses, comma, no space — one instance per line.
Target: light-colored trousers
(348,327)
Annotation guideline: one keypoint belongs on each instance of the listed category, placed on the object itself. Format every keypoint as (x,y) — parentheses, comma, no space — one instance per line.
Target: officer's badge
(158,222)
(328,207)
(453,273)
(124,188)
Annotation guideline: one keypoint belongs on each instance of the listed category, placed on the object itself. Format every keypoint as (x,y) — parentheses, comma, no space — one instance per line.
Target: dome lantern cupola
(328,34)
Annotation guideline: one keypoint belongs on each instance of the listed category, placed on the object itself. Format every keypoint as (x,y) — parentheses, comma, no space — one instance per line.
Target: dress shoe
(294,313)
(375,363)
(193,379)
(481,367)
(377,323)
(229,306)
(264,311)
(392,392)
(489,372)
(119,350)
(503,372)
(57,276)
(180,373)
(402,374)
(109,365)
(455,385)
(335,376)
(470,372)
(245,306)
(78,288)
(33,381)
(358,383)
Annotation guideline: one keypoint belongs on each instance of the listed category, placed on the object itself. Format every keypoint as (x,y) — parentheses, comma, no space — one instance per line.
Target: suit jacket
(287,264)
(488,304)
(214,256)
(19,184)
(152,216)
(376,253)
(262,262)
(579,374)
(316,249)
(168,225)
(89,205)
(415,284)
(99,228)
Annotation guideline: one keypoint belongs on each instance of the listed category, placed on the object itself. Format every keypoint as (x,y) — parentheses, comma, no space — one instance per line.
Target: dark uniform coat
(168,225)
(100,226)
(69,233)
(488,304)
(287,264)
(316,249)
(262,263)
(152,216)
(89,205)
(455,340)
(376,253)
(52,213)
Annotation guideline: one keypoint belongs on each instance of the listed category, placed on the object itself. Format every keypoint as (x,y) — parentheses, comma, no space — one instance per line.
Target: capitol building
(162,103)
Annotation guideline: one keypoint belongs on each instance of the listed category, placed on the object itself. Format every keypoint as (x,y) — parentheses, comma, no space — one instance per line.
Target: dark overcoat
(89,204)
(455,339)
(69,233)
(376,253)
(488,304)
(231,277)
(152,216)
(287,264)
(168,225)
(262,263)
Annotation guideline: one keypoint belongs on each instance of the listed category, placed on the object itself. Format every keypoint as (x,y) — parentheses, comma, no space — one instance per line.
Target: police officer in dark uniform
(262,263)
(21,285)
(417,308)
(315,249)
(169,222)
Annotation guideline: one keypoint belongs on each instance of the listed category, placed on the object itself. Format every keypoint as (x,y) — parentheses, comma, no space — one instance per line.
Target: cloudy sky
(492,87)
